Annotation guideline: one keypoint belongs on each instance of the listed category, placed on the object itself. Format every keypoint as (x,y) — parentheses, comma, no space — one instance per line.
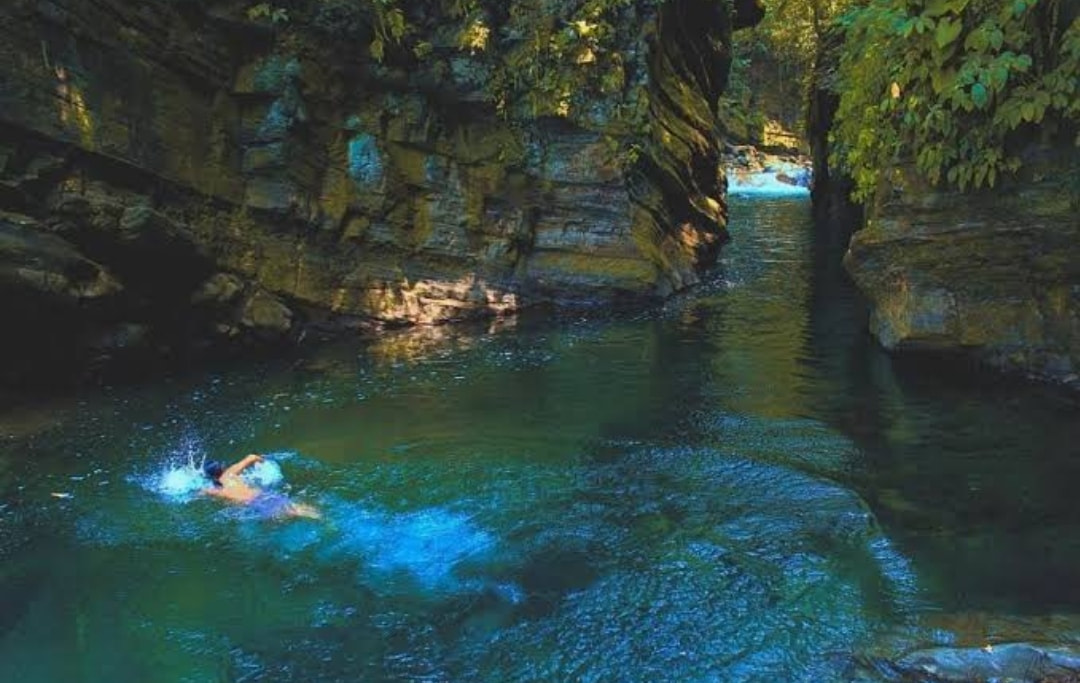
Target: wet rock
(1016,662)
(349,188)
(219,288)
(140,220)
(270,194)
(798,178)
(52,298)
(989,274)
(266,315)
(34,260)
(261,158)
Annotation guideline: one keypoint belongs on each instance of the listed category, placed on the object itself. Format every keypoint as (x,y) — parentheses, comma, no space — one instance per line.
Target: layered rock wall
(173,174)
(993,275)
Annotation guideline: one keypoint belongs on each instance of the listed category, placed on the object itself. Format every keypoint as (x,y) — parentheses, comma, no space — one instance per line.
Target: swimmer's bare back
(236,490)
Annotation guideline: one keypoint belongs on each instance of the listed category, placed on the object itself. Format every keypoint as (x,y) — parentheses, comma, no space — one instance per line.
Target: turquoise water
(736,487)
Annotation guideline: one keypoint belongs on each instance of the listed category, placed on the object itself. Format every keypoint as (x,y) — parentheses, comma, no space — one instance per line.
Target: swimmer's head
(213,470)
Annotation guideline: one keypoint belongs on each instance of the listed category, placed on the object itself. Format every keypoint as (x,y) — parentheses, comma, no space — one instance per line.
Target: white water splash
(782,180)
(180,477)
(266,474)
(180,482)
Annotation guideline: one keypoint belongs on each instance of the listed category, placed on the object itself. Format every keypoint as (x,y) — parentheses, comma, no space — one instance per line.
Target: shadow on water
(967,469)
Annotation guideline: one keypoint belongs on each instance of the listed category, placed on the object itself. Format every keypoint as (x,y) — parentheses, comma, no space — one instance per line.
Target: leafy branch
(953,89)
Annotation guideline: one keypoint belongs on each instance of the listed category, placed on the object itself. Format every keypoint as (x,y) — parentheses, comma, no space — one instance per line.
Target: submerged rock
(1014,662)
(734,577)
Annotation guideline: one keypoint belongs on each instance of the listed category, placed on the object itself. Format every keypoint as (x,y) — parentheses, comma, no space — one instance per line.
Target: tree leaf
(979,95)
(947,31)
(942,79)
(976,41)
(936,8)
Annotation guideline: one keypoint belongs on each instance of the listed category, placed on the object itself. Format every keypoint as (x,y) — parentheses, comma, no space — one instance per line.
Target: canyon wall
(178,174)
(994,275)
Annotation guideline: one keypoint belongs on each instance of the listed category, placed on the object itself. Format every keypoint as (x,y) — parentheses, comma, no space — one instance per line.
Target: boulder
(218,289)
(37,262)
(265,315)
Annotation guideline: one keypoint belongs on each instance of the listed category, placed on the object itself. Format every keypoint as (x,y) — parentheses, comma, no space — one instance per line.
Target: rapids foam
(427,546)
(785,180)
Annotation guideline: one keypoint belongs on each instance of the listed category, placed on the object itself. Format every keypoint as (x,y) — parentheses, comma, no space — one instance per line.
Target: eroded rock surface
(995,275)
(170,141)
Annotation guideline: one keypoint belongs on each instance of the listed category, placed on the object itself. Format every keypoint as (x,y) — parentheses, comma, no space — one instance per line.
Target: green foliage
(557,58)
(266,12)
(379,24)
(792,30)
(742,105)
(773,62)
(389,25)
(531,57)
(953,89)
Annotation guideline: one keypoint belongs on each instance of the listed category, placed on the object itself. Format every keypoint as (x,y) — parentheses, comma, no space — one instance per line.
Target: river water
(738,486)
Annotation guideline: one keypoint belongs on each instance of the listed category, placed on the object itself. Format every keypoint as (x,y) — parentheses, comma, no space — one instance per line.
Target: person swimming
(228,485)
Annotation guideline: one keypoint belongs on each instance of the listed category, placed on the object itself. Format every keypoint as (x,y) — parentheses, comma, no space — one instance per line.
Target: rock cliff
(835,214)
(994,275)
(174,173)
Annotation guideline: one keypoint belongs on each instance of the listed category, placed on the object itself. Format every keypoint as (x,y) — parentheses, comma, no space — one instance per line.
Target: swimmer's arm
(236,468)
